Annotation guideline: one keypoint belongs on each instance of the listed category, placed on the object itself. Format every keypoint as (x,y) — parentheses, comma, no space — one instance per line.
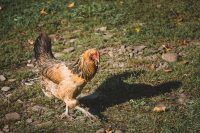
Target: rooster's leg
(66,113)
(88,114)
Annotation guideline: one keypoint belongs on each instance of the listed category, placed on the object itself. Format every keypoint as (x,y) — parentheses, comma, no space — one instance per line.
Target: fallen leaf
(121,2)
(160,108)
(153,66)
(184,42)
(108,131)
(166,48)
(184,62)
(137,29)
(43,12)
(30,41)
(179,19)
(71,5)
(168,70)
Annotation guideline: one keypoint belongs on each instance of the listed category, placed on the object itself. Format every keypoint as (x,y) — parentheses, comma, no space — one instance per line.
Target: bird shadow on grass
(115,90)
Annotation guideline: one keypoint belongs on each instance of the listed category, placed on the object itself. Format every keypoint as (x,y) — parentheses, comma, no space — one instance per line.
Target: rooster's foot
(86,113)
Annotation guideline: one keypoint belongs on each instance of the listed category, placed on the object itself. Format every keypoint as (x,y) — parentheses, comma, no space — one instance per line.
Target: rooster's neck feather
(85,69)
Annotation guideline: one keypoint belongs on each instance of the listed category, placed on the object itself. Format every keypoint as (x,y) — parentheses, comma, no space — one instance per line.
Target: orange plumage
(62,81)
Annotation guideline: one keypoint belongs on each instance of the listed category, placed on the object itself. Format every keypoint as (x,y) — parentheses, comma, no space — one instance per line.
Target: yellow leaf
(160,109)
(43,12)
(137,29)
(71,5)
(184,62)
(167,70)
(30,41)
(121,2)
(108,131)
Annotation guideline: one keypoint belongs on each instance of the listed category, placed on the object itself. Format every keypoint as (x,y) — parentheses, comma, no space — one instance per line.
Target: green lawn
(130,82)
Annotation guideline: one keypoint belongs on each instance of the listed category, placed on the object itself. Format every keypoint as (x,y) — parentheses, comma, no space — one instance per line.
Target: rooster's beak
(96,61)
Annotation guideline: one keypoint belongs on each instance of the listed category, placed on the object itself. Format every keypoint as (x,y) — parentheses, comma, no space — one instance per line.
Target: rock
(2,78)
(12,116)
(57,55)
(158,6)
(29,120)
(6,128)
(69,50)
(102,29)
(9,95)
(138,49)
(101,130)
(29,83)
(130,55)
(107,36)
(118,131)
(19,101)
(72,40)
(12,80)
(170,57)
(5,88)
(30,65)
(44,124)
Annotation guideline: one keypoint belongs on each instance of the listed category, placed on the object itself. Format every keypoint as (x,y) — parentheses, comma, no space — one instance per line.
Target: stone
(2,78)
(72,40)
(9,95)
(29,120)
(12,116)
(29,83)
(11,80)
(30,65)
(5,129)
(19,101)
(101,130)
(170,57)
(130,55)
(5,88)
(57,55)
(138,49)
(102,29)
(107,36)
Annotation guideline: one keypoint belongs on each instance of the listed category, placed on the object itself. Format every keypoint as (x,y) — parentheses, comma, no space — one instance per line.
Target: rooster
(63,81)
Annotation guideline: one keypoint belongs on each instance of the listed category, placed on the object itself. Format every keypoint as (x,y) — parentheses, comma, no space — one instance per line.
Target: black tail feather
(42,47)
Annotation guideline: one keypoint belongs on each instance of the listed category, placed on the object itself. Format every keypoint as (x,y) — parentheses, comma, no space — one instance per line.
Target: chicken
(63,81)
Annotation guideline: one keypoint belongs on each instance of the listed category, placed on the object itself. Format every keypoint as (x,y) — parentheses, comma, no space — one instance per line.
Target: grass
(128,93)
